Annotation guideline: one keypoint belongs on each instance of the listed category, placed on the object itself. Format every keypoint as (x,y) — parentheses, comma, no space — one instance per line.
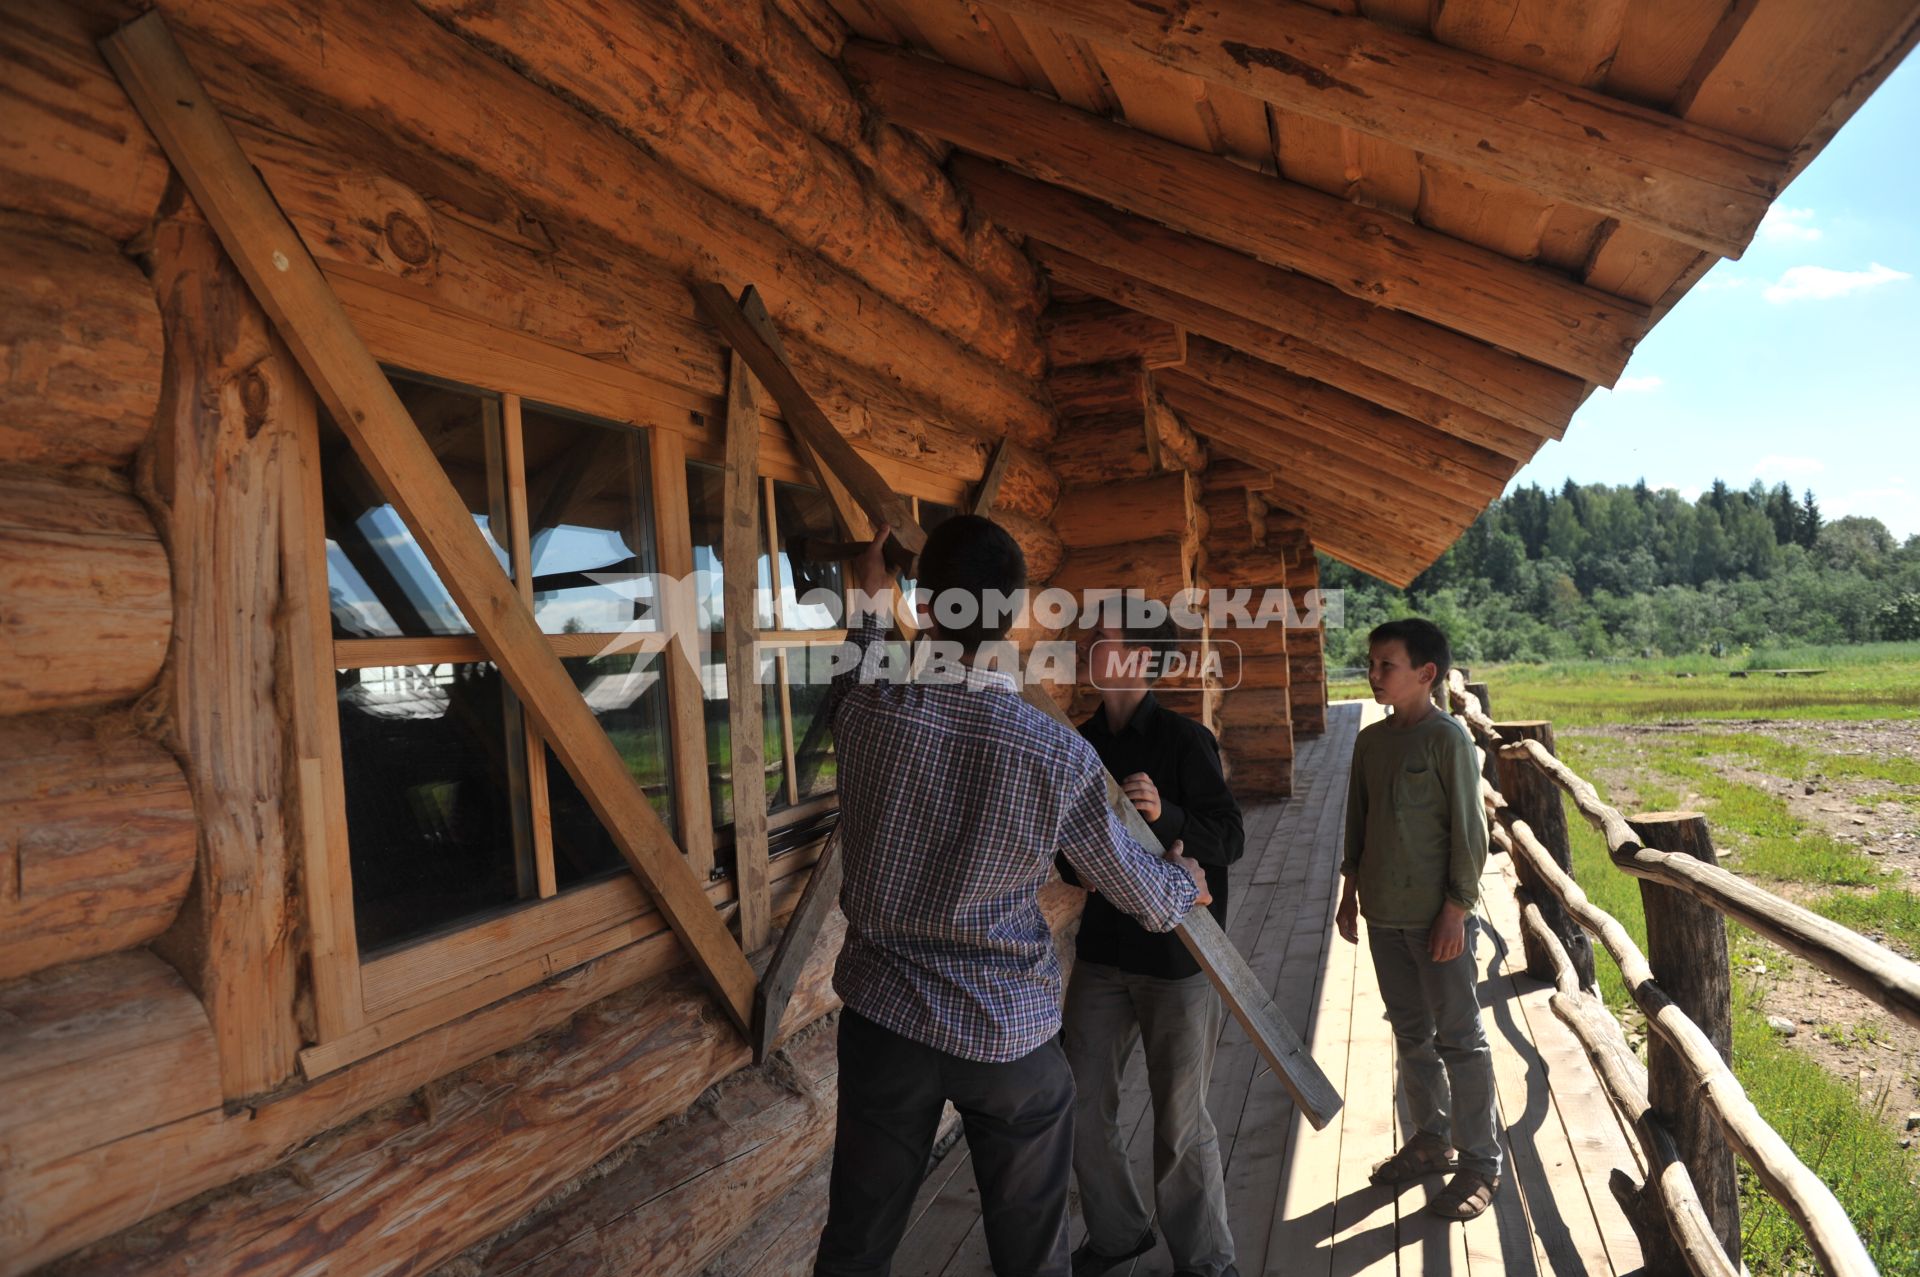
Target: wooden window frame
(362,1006)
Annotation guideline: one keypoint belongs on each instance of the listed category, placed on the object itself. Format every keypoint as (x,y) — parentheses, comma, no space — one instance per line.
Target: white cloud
(1638,385)
(1718,280)
(1893,505)
(1688,492)
(1775,466)
(1821,282)
(1788,225)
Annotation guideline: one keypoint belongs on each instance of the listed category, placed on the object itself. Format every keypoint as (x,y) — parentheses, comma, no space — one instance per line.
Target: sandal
(1466,1195)
(1423,1155)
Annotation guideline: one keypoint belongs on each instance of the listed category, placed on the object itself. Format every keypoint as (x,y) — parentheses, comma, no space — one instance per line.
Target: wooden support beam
(989,489)
(1564,142)
(1178,448)
(1099,331)
(804,418)
(1406,379)
(268,252)
(817,902)
(1315,403)
(1341,440)
(741,544)
(1368,255)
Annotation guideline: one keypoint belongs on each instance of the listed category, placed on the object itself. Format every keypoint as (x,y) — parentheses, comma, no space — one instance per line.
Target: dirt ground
(1849,1035)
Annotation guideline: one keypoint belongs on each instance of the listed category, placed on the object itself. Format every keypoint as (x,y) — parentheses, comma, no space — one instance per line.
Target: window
(803,612)
(455,808)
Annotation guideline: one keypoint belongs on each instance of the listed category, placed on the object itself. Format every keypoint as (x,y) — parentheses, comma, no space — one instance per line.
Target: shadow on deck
(1298,1199)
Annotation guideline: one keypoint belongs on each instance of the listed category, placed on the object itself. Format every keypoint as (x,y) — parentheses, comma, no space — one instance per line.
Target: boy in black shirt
(1131,984)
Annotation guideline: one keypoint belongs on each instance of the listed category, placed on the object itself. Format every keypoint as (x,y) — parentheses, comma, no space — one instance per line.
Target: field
(1811,785)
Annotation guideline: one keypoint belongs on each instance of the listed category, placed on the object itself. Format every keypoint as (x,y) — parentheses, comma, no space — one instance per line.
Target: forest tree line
(1596,570)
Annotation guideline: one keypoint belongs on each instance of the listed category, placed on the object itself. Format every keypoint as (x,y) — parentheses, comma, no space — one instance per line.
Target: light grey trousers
(1107,1012)
(1446,1069)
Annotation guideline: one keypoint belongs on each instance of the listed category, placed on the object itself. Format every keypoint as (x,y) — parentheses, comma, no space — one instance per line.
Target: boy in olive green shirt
(1416,842)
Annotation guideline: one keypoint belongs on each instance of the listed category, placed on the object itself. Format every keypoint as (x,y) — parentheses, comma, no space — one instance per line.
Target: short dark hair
(975,556)
(1159,638)
(1426,643)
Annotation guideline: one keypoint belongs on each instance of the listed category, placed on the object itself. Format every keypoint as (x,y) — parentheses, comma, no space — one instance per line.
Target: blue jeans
(1446,1068)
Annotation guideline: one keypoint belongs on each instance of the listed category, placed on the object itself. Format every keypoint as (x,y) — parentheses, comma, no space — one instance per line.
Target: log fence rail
(1683,1220)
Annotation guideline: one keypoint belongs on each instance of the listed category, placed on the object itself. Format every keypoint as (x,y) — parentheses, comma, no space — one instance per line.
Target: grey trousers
(1446,1069)
(1107,1012)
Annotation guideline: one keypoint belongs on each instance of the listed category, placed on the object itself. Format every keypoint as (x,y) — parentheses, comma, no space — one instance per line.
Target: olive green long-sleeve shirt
(1416,836)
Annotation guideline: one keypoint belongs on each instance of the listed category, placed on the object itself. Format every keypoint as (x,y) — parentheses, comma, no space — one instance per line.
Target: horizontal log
(1229,521)
(1260,671)
(642,67)
(1830,1234)
(1038,541)
(775,45)
(1115,389)
(1030,486)
(1115,513)
(1368,255)
(1859,963)
(82,334)
(1255,778)
(1255,710)
(1243,323)
(95,1051)
(505,133)
(88,609)
(1099,332)
(1257,568)
(1339,414)
(74,152)
(1353,539)
(103,843)
(1567,143)
(508,1128)
(1094,450)
(1160,568)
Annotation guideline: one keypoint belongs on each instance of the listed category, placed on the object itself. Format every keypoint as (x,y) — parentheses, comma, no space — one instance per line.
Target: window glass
(429,818)
(713,685)
(706,512)
(807,583)
(590,523)
(378,579)
(627,693)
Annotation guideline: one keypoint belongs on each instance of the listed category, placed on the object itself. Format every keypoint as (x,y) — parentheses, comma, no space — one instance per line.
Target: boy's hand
(1193,871)
(871,575)
(1346,919)
(1143,794)
(1447,938)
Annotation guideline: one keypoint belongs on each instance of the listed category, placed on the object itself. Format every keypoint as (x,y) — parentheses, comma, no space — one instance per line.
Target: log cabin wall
(168,1035)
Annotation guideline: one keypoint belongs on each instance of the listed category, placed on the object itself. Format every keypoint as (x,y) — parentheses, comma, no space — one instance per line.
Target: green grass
(1879,680)
(1890,911)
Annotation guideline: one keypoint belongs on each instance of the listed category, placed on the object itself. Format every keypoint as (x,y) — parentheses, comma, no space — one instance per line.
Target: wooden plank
(1508,122)
(821,897)
(1380,261)
(268,252)
(686,723)
(804,418)
(989,489)
(742,543)
(520,552)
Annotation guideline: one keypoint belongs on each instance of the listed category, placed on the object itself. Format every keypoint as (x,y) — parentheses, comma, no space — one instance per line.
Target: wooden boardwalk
(1298,1199)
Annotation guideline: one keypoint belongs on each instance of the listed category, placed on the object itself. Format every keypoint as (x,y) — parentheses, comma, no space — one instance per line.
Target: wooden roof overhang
(1406,238)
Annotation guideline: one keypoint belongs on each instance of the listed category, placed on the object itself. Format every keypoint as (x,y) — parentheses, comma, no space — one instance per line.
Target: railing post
(1490,766)
(1687,949)
(1533,797)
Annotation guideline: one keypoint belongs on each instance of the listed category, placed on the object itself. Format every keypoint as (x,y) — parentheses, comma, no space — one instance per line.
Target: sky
(1800,361)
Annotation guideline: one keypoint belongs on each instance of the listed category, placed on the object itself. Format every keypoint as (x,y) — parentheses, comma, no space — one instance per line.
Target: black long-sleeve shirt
(1182,759)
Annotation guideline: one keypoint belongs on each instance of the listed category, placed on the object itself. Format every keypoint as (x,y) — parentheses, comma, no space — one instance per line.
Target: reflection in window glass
(816,769)
(424,750)
(706,513)
(809,588)
(713,687)
(588,516)
(628,694)
(378,578)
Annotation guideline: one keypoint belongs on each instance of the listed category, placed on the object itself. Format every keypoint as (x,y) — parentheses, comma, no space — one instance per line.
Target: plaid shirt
(954,798)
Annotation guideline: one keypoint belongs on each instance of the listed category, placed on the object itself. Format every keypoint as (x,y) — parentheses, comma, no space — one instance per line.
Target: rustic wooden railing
(1680,1221)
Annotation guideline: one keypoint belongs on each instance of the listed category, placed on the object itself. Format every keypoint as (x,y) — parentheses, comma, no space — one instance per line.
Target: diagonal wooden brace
(283,276)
